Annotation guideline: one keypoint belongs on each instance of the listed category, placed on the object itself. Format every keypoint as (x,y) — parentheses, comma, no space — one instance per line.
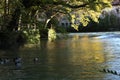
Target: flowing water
(80,57)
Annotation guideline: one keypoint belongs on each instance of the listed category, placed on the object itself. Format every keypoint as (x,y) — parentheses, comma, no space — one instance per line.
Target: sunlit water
(81,57)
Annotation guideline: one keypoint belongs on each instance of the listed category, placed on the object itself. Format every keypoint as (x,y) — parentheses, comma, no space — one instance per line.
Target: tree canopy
(84,8)
(27,10)
(30,20)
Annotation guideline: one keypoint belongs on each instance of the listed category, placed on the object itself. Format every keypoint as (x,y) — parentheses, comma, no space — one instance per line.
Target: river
(83,56)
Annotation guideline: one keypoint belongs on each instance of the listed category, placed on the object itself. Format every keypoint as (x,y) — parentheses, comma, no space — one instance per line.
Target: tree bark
(13,24)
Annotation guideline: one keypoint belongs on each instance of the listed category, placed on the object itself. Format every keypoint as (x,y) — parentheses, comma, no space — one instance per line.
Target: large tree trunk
(13,24)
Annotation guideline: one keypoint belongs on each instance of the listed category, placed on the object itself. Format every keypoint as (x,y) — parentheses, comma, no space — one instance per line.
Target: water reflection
(87,50)
(76,58)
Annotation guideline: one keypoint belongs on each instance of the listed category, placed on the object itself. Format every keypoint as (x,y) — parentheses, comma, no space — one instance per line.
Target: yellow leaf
(75,26)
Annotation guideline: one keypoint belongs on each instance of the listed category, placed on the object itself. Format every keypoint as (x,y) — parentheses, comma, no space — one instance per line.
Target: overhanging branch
(62,3)
(69,5)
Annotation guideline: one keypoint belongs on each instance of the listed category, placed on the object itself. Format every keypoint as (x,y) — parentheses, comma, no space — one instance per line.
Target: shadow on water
(78,58)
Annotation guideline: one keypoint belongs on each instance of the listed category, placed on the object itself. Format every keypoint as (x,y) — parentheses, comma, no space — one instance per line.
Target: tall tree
(85,8)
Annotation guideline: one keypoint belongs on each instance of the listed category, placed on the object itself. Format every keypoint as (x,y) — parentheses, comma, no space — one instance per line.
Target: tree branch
(68,5)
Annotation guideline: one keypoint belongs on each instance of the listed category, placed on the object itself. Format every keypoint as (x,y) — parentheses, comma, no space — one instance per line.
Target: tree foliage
(29,9)
(40,14)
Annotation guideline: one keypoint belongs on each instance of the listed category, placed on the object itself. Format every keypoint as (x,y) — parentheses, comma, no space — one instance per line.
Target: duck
(18,65)
(114,72)
(104,70)
(36,59)
(17,59)
(1,61)
(4,61)
(18,62)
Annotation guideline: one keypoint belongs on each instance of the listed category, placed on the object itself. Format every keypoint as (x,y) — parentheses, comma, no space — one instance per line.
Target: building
(116,2)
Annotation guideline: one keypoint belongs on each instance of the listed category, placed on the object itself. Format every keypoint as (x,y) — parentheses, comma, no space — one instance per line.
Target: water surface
(81,57)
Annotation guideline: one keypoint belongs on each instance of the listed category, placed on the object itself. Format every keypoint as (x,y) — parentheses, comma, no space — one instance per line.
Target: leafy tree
(25,13)
(51,8)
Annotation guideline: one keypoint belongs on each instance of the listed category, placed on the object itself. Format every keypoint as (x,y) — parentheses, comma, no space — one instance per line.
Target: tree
(25,13)
(51,8)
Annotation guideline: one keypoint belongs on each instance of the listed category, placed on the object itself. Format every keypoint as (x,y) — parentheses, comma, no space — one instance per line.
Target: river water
(83,56)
